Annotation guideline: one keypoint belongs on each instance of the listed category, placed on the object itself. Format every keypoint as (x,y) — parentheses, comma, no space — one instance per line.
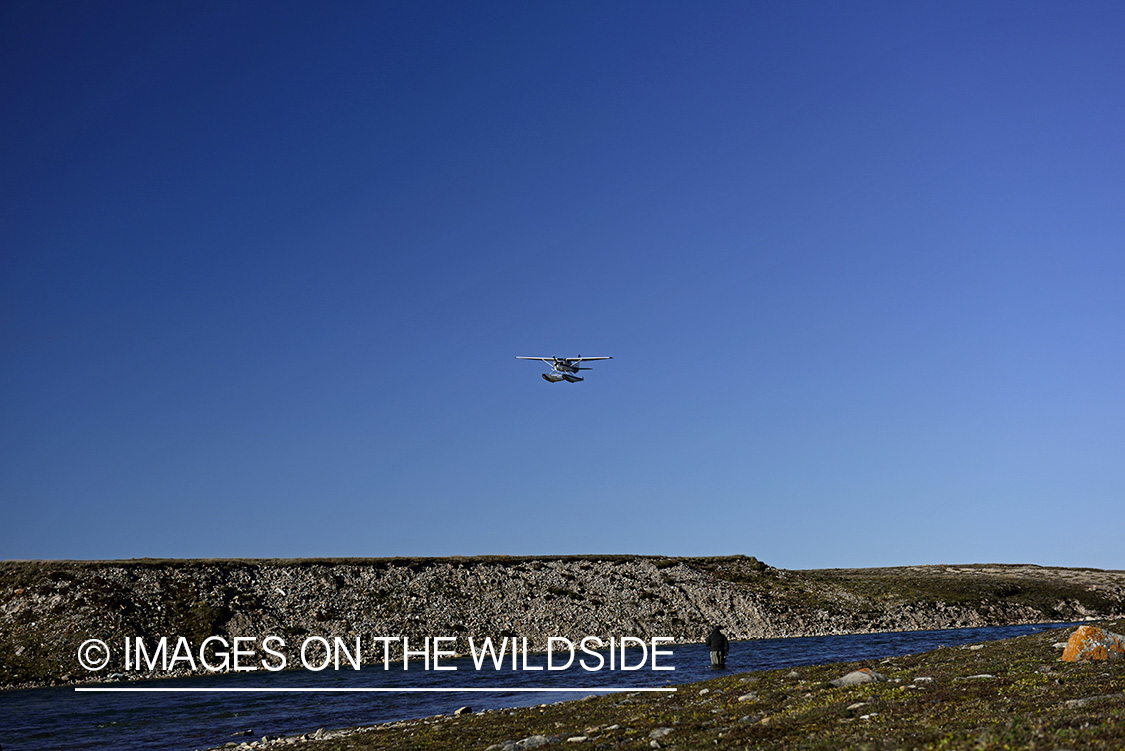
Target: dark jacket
(717,642)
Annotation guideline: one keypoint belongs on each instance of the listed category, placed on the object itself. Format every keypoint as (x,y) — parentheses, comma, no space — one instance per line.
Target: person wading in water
(719,646)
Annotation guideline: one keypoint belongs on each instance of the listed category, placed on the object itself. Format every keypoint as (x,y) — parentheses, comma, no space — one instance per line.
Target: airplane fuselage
(563,368)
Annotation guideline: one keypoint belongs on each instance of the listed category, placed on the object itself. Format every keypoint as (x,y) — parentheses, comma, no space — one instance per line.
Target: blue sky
(265,268)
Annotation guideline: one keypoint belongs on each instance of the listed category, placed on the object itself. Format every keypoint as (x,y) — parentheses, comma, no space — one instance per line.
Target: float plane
(564,368)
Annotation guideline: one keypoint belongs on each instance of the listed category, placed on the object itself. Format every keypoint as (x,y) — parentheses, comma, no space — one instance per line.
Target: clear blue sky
(861,268)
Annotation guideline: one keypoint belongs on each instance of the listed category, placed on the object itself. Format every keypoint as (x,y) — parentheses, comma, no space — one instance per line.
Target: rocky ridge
(48,608)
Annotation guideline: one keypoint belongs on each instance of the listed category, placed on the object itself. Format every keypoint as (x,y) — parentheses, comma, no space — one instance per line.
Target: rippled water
(61,718)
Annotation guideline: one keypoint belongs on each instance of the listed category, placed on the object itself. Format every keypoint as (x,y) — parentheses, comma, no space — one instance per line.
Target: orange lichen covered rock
(1092,643)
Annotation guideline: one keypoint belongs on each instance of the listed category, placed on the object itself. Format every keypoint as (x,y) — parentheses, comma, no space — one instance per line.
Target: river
(62,718)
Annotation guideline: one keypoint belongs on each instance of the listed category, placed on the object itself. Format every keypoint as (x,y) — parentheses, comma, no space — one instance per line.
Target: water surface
(61,718)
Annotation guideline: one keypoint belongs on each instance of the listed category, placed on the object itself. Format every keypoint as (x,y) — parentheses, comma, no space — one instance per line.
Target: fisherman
(719,646)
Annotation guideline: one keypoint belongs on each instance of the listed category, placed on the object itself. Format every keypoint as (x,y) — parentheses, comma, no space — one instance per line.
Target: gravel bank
(48,608)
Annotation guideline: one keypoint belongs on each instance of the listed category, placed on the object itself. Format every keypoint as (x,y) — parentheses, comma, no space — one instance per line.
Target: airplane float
(564,368)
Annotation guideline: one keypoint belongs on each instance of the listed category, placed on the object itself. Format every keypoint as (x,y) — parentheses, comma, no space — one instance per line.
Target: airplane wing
(567,359)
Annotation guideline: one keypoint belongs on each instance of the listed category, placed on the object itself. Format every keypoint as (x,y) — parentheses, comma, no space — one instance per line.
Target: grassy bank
(1012,694)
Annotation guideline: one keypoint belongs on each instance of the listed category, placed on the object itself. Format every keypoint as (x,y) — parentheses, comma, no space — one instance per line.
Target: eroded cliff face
(48,609)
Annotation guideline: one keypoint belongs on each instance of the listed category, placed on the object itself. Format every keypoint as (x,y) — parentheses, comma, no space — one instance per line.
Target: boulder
(1093,643)
(856,677)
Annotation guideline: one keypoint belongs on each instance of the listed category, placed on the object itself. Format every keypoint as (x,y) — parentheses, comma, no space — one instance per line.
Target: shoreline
(187,674)
(48,608)
(1011,693)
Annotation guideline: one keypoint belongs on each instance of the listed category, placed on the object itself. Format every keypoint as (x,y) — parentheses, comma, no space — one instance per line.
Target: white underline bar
(505,690)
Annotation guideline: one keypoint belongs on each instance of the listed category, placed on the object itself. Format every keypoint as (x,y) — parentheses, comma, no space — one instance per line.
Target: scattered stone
(1092,643)
(857,705)
(752,696)
(577,739)
(705,691)
(1091,699)
(924,679)
(792,674)
(534,741)
(856,677)
(981,676)
(463,710)
(659,732)
(243,732)
(1059,645)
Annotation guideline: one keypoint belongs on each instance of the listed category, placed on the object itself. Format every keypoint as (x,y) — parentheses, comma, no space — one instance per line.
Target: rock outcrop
(1093,643)
(49,608)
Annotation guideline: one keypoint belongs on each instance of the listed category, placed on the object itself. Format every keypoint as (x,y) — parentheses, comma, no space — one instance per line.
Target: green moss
(1031,702)
(966,585)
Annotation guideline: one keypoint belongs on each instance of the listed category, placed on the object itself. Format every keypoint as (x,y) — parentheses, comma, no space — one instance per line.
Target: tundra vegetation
(1004,695)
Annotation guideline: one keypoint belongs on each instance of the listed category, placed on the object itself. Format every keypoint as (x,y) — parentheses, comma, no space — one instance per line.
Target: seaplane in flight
(564,368)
